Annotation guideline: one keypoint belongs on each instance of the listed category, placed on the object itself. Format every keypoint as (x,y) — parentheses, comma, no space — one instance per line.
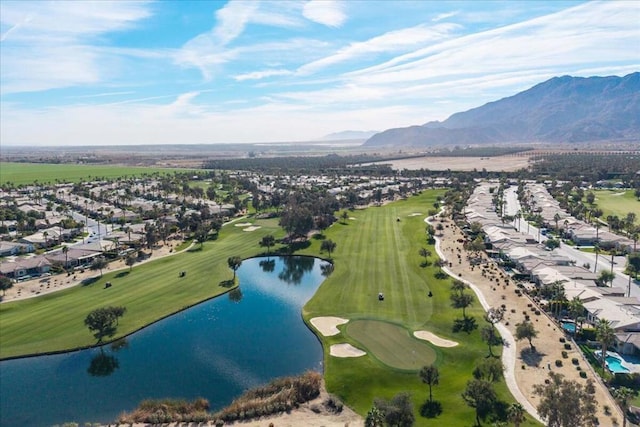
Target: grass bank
(617,202)
(55,322)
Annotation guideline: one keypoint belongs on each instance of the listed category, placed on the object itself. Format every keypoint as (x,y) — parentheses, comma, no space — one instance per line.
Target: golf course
(377,252)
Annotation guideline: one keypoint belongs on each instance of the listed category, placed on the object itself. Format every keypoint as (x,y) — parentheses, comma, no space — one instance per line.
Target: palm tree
(576,309)
(515,414)
(430,376)
(557,218)
(234,263)
(607,277)
(622,396)
(65,251)
(597,249)
(631,269)
(606,335)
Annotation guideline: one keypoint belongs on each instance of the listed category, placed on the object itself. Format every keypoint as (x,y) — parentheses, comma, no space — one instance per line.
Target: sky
(200,72)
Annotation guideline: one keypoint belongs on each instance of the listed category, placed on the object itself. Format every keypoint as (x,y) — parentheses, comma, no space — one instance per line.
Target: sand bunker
(415,214)
(345,350)
(243,224)
(434,339)
(252,228)
(352,218)
(327,326)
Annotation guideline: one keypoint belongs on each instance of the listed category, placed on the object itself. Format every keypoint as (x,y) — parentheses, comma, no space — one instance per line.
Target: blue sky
(124,72)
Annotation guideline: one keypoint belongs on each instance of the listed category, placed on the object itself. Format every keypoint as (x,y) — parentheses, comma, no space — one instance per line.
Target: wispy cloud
(392,42)
(48,44)
(326,12)
(257,75)
(443,16)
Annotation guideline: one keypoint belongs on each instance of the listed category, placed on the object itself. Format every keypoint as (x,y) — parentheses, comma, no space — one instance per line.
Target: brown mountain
(562,109)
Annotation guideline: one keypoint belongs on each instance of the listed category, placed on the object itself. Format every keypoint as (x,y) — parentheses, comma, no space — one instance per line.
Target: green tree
(565,403)
(491,337)
(130,261)
(576,310)
(398,411)
(462,301)
(268,242)
(425,253)
(606,276)
(99,264)
(491,370)
(430,376)
(622,395)
(526,330)
(5,284)
(480,395)
(103,321)
(65,251)
(328,245)
(515,414)
(606,336)
(234,263)
(375,418)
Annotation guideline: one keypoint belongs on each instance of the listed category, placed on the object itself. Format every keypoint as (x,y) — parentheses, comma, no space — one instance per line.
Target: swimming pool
(569,327)
(615,365)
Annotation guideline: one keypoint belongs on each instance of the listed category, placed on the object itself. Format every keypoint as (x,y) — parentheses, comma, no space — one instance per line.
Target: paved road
(604,260)
(95,232)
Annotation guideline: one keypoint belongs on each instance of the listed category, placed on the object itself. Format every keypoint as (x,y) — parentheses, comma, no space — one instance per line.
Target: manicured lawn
(613,203)
(376,253)
(151,291)
(28,173)
(383,339)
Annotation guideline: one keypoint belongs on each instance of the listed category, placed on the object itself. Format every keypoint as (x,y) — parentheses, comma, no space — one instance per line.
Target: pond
(214,350)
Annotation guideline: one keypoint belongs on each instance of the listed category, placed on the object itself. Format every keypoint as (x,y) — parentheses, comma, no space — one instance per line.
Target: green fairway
(617,202)
(383,340)
(28,173)
(377,253)
(54,322)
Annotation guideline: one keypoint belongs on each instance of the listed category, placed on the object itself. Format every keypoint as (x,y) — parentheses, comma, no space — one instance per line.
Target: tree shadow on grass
(466,324)
(122,274)
(431,409)
(531,356)
(197,248)
(227,283)
(89,281)
(319,236)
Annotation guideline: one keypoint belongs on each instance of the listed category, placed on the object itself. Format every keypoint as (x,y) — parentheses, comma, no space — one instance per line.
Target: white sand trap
(252,228)
(619,194)
(415,214)
(345,350)
(434,339)
(243,224)
(352,218)
(328,325)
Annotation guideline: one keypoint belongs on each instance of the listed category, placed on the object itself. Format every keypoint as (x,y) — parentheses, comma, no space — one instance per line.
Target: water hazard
(215,350)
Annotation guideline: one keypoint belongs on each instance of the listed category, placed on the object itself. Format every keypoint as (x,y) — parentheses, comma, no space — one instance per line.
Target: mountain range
(562,109)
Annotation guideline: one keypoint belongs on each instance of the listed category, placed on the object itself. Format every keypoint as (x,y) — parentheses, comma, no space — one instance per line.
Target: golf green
(391,344)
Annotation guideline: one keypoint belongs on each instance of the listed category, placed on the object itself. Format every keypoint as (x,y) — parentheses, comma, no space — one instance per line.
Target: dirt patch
(499,163)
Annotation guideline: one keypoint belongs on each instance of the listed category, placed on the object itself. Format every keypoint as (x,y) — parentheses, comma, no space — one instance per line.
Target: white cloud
(326,12)
(393,41)
(444,16)
(47,44)
(257,75)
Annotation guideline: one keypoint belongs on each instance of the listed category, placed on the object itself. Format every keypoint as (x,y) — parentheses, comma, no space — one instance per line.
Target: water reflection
(326,269)
(268,265)
(295,268)
(235,295)
(214,350)
(103,365)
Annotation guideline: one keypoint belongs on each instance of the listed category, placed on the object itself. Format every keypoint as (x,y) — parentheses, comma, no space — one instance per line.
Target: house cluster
(536,264)
(581,233)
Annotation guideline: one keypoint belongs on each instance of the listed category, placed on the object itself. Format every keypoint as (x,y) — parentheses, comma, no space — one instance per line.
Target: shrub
(559,363)
(567,346)
(562,339)
(583,374)
(564,354)
(574,361)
